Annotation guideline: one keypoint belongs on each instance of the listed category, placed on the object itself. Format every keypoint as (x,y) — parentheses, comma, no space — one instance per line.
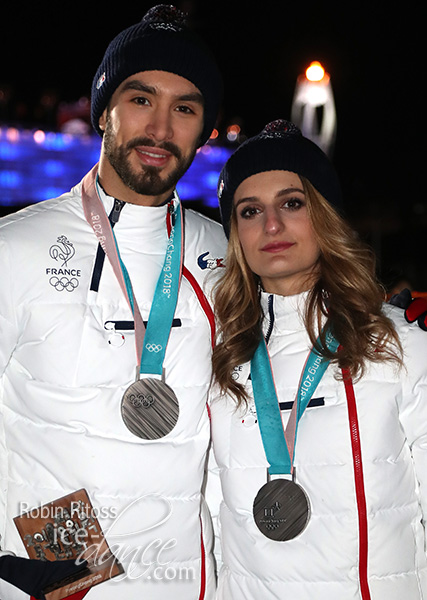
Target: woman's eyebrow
(246,199)
(284,192)
(289,190)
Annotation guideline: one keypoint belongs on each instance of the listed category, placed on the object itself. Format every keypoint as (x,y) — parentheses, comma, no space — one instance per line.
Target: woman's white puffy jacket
(366,537)
(67,353)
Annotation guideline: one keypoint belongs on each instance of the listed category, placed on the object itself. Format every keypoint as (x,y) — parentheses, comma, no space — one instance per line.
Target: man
(103,318)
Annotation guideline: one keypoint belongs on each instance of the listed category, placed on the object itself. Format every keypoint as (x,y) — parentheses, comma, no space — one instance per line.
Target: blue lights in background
(36,165)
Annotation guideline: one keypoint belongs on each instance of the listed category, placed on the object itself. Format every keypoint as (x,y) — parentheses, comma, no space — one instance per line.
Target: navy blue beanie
(279,147)
(162,41)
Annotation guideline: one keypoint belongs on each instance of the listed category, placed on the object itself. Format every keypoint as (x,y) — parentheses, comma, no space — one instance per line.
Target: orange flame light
(315,72)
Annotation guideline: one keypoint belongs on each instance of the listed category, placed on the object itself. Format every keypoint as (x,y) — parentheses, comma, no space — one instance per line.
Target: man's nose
(159,127)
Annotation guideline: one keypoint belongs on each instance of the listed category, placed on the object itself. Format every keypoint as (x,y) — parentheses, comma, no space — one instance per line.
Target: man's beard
(147,181)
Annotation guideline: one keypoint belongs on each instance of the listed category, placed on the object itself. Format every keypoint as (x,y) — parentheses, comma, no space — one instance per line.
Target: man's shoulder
(38,215)
(205,246)
(197,219)
(202,229)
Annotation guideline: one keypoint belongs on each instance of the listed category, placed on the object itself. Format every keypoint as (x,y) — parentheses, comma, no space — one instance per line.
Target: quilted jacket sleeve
(413,406)
(8,341)
(8,329)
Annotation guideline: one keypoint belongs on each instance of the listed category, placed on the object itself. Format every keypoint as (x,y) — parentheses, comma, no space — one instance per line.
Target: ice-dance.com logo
(136,536)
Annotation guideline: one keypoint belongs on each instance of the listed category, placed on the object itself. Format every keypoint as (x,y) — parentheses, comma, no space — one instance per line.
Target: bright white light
(39,136)
(315,72)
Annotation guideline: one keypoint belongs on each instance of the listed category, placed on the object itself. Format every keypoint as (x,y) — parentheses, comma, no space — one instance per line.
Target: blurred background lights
(37,165)
(12,134)
(10,179)
(233,133)
(214,134)
(54,168)
(39,137)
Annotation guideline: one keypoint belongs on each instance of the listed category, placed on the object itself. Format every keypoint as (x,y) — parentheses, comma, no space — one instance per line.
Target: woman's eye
(293,204)
(248,212)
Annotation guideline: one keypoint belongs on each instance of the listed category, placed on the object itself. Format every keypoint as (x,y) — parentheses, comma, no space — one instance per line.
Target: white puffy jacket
(67,353)
(366,537)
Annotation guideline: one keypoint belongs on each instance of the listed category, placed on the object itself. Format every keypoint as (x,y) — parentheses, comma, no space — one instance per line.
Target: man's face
(152,128)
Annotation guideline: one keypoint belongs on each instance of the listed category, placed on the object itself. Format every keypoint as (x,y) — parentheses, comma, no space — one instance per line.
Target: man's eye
(141,100)
(185,109)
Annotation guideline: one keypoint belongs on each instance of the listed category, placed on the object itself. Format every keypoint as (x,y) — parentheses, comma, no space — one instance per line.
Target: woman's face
(275,231)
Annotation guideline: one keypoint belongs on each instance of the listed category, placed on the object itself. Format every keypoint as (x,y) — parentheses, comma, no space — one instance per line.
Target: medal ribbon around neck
(150,341)
(279,444)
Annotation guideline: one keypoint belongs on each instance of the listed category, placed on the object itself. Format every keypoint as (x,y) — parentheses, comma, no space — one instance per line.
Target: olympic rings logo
(153,347)
(146,401)
(63,283)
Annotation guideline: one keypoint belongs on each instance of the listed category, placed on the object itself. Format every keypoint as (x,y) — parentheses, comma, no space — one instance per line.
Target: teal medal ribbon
(279,445)
(149,406)
(281,509)
(164,303)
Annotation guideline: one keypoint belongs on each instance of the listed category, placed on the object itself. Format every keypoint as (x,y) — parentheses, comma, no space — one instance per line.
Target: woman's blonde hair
(346,296)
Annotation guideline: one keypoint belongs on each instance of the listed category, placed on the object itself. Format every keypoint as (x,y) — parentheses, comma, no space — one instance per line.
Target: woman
(319,415)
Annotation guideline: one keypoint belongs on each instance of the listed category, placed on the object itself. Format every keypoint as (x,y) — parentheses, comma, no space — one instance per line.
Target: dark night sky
(373,52)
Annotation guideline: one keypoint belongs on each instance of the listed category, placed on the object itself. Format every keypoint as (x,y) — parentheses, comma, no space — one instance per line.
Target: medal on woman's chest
(281,508)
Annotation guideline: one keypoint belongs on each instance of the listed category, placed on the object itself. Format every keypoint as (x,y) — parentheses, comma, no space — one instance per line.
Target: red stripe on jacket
(359,485)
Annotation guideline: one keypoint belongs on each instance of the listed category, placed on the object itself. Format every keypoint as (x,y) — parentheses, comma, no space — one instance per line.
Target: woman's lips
(152,156)
(277,246)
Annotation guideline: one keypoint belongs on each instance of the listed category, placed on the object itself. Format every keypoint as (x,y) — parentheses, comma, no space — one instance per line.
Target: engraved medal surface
(281,510)
(150,408)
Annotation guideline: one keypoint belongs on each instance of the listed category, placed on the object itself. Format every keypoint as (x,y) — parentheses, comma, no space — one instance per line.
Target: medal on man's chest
(150,408)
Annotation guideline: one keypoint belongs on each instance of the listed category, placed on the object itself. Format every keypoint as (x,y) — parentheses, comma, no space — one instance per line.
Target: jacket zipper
(271,318)
(115,213)
(113,217)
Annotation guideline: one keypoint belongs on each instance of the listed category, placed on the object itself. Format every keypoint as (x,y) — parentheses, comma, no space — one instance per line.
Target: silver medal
(150,408)
(281,510)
